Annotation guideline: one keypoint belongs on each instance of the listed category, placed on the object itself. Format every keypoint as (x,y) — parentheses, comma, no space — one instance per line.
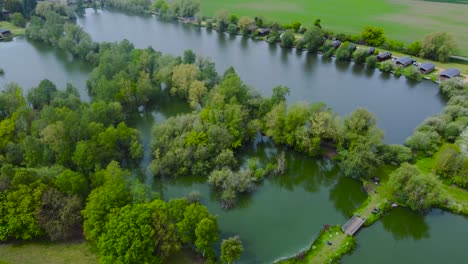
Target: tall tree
(231,249)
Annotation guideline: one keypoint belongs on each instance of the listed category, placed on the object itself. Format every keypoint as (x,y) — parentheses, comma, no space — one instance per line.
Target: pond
(407,237)
(399,104)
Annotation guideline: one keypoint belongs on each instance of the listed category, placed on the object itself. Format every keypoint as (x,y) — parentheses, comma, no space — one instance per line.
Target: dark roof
(263,30)
(450,73)
(371,50)
(336,43)
(3,31)
(427,66)
(385,54)
(404,60)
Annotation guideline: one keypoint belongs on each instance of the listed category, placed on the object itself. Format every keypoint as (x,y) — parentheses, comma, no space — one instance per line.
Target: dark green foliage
(288,39)
(149,235)
(232,29)
(189,57)
(60,215)
(448,161)
(438,46)
(231,249)
(18,19)
(425,142)
(18,210)
(274,37)
(313,39)
(371,62)
(360,56)
(387,66)
(373,36)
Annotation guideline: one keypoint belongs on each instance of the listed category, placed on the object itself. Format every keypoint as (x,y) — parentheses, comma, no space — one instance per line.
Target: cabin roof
(384,54)
(336,43)
(450,73)
(2,31)
(427,66)
(263,30)
(404,60)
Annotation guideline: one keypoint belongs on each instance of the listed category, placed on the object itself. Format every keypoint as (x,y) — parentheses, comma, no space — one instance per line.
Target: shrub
(425,142)
(18,20)
(232,29)
(288,39)
(387,66)
(360,56)
(274,37)
(371,62)
(413,73)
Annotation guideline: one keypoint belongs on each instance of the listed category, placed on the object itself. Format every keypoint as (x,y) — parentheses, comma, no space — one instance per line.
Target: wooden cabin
(384,56)
(450,73)
(404,61)
(371,51)
(426,67)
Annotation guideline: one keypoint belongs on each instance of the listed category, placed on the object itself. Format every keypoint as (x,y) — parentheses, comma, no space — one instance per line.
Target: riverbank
(440,66)
(16,31)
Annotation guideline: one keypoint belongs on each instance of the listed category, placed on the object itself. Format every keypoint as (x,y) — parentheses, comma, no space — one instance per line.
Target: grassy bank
(50,253)
(321,252)
(402,20)
(17,31)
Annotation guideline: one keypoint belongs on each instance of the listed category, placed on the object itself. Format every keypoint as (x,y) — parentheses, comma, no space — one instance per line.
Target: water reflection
(346,197)
(404,224)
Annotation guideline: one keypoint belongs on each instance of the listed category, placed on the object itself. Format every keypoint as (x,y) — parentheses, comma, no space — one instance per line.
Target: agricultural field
(404,20)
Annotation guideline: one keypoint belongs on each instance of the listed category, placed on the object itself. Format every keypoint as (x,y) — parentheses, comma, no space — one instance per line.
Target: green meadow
(404,20)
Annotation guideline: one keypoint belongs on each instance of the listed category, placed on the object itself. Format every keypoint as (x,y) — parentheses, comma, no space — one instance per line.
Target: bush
(371,62)
(448,161)
(387,66)
(360,56)
(288,39)
(232,29)
(274,37)
(18,20)
(413,73)
(425,142)
(412,188)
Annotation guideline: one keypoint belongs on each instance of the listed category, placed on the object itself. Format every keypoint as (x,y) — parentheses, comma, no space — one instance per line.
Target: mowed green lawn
(404,20)
(47,253)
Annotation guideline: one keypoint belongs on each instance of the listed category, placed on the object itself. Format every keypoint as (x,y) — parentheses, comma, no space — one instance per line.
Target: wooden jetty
(353,225)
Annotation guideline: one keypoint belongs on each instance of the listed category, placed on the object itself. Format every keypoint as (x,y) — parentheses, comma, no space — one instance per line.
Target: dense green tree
(72,183)
(60,215)
(19,208)
(371,62)
(438,46)
(288,39)
(193,215)
(207,234)
(149,238)
(360,56)
(231,249)
(42,95)
(373,36)
(414,189)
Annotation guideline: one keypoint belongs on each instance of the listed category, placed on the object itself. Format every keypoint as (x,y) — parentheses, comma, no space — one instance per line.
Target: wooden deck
(353,225)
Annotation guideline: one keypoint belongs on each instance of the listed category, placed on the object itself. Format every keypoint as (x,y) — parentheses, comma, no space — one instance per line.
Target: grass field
(404,20)
(50,253)
(14,29)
